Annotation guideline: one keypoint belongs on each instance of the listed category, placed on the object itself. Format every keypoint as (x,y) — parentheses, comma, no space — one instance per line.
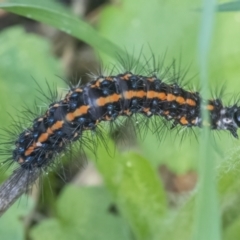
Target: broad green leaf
(136,189)
(12,222)
(53,14)
(82,213)
(24,59)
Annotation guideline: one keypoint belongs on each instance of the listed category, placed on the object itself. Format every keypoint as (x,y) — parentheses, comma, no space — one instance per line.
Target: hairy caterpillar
(106,98)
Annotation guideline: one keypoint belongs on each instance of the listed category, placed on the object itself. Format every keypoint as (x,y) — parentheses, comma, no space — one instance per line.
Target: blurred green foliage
(76,209)
(131,179)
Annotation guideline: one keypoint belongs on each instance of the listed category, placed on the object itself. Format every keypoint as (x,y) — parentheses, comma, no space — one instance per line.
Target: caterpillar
(106,98)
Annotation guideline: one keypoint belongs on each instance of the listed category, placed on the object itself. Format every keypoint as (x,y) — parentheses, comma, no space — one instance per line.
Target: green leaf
(83,213)
(24,58)
(12,222)
(53,14)
(136,189)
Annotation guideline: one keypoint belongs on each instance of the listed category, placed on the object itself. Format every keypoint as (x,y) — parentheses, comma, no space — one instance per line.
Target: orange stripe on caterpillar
(101,101)
(78,112)
(131,94)
(190,102)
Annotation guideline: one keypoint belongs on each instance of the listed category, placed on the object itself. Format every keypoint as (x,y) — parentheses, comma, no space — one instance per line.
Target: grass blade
(57,16)
(207,217)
